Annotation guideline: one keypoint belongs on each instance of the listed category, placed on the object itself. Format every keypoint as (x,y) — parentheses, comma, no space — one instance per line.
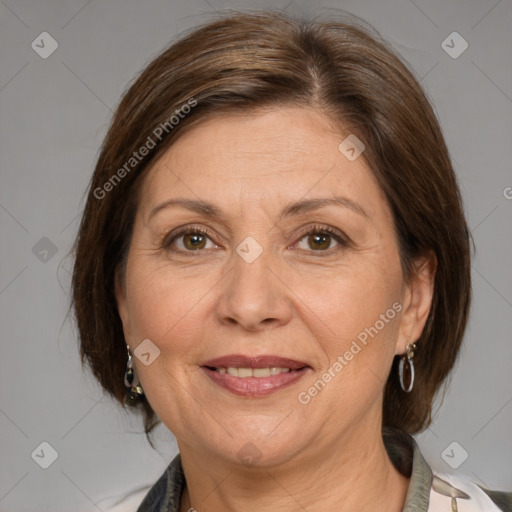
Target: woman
(274,262)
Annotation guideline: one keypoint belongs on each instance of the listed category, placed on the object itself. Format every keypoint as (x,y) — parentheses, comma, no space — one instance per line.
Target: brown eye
(194,241)
(321,240)
(189,240)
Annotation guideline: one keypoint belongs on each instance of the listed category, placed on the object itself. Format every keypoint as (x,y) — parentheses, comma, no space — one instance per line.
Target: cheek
(358,353)
(357,317)
(166,308)
(161,301)
(167,304)
(351,297)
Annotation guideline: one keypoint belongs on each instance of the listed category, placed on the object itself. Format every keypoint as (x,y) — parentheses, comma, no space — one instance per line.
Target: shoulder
(459,492)
(434,491)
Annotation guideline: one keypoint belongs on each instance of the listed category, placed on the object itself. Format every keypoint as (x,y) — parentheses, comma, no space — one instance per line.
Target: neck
(354,473)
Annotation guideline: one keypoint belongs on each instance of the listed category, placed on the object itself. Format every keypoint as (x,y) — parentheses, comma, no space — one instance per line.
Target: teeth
(262,372)
(253,372)
(243,372)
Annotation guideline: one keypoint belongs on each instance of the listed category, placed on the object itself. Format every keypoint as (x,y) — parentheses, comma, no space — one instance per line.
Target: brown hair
(247,61)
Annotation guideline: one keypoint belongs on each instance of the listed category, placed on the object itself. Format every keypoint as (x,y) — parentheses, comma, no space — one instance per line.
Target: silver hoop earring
(406,368)
(131,381)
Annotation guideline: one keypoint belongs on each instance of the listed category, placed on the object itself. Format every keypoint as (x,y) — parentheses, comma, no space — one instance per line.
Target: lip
(255,386)
(261,361)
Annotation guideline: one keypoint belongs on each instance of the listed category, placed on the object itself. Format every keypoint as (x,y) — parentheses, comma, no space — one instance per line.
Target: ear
(417,301)
(120,294)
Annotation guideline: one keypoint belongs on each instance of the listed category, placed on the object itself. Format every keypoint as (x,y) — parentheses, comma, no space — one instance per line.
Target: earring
(131,381)
(406,367)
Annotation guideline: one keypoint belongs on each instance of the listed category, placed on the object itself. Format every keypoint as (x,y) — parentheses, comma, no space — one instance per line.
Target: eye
(188,240)
(320,239)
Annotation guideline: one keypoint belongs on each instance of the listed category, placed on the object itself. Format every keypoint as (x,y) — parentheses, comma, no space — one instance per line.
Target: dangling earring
(407,366)
(131,381)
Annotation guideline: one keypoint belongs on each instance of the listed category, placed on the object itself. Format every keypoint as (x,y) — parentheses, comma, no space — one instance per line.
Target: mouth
(254,376)
(251,372)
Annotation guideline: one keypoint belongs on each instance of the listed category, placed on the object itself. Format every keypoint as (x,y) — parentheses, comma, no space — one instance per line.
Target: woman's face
(258,283)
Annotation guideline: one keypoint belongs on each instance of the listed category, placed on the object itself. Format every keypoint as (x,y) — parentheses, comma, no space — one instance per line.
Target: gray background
(54,114)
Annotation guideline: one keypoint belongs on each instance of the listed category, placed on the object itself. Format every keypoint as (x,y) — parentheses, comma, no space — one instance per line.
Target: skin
(197,304)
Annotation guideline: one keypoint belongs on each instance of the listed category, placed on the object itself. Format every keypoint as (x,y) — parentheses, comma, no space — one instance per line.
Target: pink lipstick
(254,376)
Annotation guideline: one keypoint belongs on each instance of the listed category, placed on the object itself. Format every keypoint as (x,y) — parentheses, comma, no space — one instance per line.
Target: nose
(253,295)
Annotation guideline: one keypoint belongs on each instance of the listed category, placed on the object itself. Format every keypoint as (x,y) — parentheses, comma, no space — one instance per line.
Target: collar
(405,454)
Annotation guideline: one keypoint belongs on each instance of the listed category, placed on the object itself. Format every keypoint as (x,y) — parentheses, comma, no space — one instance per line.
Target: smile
(254,376)
(251,372)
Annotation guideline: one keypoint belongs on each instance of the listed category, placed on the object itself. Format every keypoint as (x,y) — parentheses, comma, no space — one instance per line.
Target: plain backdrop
(54,112)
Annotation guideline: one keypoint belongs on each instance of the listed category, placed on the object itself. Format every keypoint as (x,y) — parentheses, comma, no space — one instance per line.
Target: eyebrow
(303,206)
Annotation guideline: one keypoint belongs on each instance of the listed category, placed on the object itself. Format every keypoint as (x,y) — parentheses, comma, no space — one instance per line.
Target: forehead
(277,155)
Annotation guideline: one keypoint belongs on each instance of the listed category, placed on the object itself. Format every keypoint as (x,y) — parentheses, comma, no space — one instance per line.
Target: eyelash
(338,237)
